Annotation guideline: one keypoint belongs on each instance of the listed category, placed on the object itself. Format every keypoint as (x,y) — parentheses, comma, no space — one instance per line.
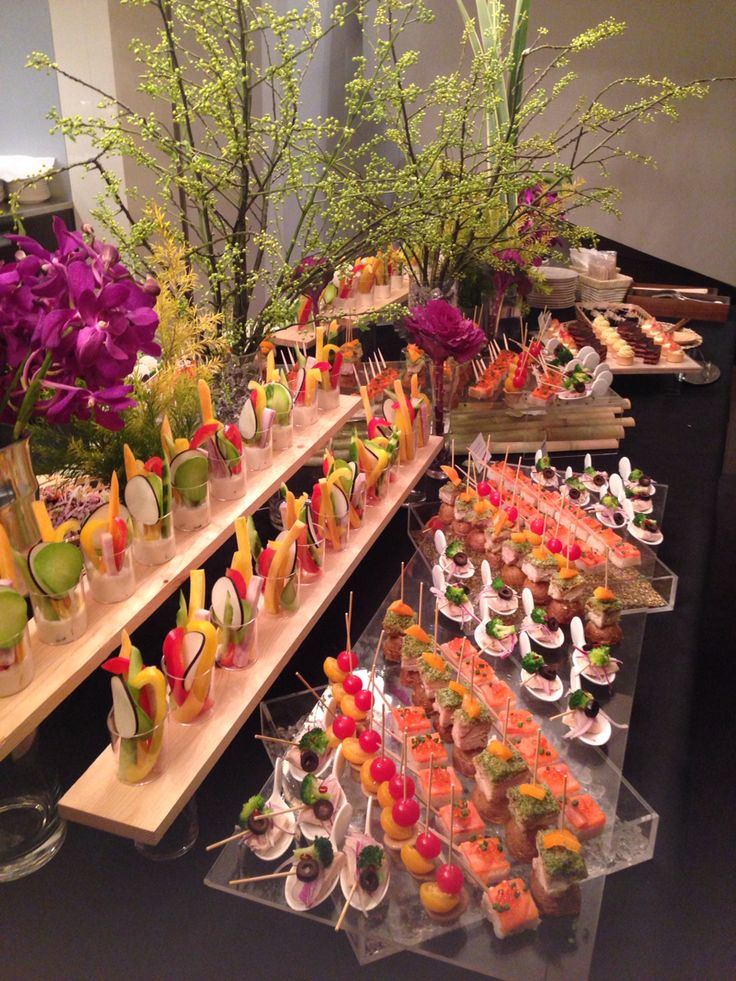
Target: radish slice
(140,500)
(123,709)
(247,422)
(224,592)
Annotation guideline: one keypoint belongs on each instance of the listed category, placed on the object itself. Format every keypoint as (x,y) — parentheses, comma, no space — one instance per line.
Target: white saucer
(557,689)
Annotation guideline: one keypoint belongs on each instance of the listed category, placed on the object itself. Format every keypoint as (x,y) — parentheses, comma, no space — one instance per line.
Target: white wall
(684,211)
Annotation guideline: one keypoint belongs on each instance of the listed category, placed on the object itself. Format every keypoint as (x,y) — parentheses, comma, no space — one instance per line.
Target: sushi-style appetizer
(497,695)
(466,821)
(566,590)
(510,907)
(527,748)
(532,807)
(471,726)
(485,858)
(410,719)
(458,649)
(539,567)
(446,702)
(444,782)
(445,899)
(553,775)
(602,616)
(556,872)
(426,750)
(267,833)
(584,817)
(497,768)
(399,616)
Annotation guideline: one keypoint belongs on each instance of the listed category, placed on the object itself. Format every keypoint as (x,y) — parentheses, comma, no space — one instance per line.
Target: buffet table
(101,910)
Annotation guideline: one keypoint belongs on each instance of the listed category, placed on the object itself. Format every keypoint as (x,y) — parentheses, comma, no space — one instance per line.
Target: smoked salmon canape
(556,871)
(584,817)
(424,749)
(510,907)
(466,821)
(410,719)
(444,780)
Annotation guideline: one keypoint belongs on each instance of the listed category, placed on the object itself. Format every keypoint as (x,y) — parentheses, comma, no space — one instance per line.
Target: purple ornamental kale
(441,330)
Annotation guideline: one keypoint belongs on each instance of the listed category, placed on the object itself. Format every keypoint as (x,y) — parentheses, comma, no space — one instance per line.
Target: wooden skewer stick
(536,755)
(273,739)
(347,632)
(348,901)
(488,457)
(350,617)
(452,822)
(401,593)
(559,715)
(429,793)
(452,453)
(421,601)
(263,878)
(562,802)
(310,689)
(605,574)
(372,677)
(506,719)
(436,624)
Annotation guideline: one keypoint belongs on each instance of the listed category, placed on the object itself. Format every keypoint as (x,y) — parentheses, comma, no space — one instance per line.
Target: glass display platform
(560,948)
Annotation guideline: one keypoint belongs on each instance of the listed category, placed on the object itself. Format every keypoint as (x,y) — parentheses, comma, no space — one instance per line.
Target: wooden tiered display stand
(99,800)
(58,670)
(296,336)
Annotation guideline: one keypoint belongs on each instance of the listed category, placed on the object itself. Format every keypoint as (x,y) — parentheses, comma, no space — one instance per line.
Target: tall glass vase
(18,491)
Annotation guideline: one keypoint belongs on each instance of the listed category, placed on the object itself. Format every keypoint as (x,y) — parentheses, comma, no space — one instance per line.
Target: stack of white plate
(562,284)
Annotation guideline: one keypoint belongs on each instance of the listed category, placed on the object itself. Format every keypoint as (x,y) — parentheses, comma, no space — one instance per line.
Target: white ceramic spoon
(286,822)
(364,901)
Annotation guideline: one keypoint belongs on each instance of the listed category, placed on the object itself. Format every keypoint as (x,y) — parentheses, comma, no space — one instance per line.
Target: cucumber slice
(189,472)
(278,398)
(55,567)
(289,596)
(143,499)
(13,616)
(339,501)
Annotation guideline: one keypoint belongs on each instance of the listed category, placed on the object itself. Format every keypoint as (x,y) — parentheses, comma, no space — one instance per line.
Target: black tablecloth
(98,909)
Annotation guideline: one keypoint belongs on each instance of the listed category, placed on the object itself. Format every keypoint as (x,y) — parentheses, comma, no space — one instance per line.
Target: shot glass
(259,450)
(111,579)
(227,479)
(237,648)
(61,618)
(337,532)
(283,433)
(154,544)
(16,664)
(139,758)
(305,415)
(191,697)
(378,491)
(284,599)
(192,507)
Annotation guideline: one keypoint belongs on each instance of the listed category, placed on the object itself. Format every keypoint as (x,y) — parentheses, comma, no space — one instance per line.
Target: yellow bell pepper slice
(196,591)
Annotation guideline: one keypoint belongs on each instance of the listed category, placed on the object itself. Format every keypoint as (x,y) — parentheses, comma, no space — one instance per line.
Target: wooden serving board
(100,800)
(686,366)
(58,670)
(295,336)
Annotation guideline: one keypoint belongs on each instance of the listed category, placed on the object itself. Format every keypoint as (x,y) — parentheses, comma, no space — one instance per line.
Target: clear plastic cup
(337,533)
(285,598)
(154,544)
(259,450)
(357,508)
(311,558)
(378,493)
(139,758)
(112,586)
(328,400)
(237,648)
(305,415)
(192,508)
(227,479)
(192,697)
(16,664)
(61,618)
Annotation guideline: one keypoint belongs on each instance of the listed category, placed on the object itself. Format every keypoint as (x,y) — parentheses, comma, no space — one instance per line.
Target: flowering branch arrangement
(72,323)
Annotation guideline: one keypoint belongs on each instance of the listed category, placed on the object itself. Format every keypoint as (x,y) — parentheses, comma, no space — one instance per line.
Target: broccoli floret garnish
(579,699)
(610,501)
(635,475)
(599,657)
(453,548)
(497,629)
(532,662)
(255,803)
(310,792)
(498,584)
(456,595)
(316,739)
(543,463)
(371,855)
(590,471)
(575,482)
(323,851)
(538,615)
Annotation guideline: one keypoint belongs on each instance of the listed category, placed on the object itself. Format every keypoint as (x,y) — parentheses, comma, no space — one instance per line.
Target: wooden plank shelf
(98,799)
(58,670)
(296,336)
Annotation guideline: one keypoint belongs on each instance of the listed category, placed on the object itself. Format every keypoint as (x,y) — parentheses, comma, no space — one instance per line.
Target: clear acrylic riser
(652,572)
(559,948)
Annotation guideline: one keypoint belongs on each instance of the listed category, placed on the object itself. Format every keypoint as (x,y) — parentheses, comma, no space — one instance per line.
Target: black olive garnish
(258,823)
(599,480)
(307,869)
(547,672)
(460,558)
(308,760)
(368,879)
(548,473)
(505,593)
(323,809)
(573,493)
(592,709)
(553,624)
